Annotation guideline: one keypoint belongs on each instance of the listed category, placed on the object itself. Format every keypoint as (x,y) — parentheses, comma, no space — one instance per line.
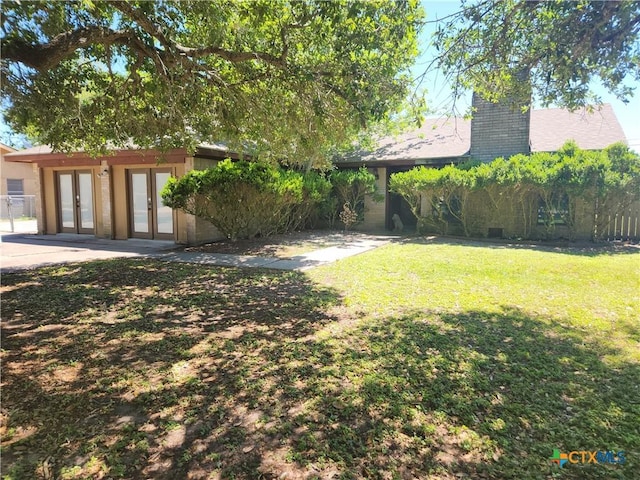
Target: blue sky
(439,98)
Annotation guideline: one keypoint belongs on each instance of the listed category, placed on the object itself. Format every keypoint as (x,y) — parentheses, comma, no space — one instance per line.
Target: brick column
(190,220)
(40,217)
(104,190)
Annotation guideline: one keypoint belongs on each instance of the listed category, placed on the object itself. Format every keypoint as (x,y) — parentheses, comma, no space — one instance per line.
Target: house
(116,196)
(496,130)
(19,183)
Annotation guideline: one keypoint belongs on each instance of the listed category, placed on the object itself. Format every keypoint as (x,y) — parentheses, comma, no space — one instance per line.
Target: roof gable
(6,148)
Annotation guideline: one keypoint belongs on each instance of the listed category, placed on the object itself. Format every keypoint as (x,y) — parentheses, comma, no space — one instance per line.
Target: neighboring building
(117,196)
(17,185)
(17,179)
(494,131)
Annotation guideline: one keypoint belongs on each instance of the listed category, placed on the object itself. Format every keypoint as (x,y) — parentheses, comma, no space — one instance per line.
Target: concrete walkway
(19,226)
(20,251)
(298,262)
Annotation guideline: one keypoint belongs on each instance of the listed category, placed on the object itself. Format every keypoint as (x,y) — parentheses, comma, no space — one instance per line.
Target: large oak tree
(286,78)
(289,79)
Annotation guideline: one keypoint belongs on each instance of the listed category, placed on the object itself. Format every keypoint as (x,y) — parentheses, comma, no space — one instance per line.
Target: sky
(439,98)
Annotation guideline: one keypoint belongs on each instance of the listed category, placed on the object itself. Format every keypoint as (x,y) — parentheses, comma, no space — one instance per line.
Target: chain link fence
(16,208)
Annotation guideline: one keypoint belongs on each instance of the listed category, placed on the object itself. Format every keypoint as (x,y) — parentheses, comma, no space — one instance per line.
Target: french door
(149,217)
(75,202)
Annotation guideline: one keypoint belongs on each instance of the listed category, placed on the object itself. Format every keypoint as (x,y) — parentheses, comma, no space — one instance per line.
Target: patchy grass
(418,360)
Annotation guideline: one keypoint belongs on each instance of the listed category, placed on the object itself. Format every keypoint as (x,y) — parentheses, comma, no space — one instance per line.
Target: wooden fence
(624,227)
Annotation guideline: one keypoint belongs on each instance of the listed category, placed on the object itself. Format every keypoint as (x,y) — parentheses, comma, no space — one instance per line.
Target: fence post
(10,212)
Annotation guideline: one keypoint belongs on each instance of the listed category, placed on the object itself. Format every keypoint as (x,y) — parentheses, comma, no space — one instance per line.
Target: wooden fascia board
(121,157)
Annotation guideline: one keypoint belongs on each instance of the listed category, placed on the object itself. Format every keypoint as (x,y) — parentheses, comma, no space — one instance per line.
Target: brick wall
(200,230)
(375,212)
(104,186)
(498,129)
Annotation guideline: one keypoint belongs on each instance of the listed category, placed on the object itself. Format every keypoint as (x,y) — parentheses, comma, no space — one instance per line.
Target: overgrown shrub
(314,203)
(616,185)
(241,199)
(437,197)
(351,187)
(542,188)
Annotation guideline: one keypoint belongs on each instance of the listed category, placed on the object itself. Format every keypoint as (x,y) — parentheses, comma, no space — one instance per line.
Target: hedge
(244,199)
(552,187)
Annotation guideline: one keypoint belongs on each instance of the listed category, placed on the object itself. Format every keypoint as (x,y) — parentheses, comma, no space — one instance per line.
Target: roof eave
(403,162)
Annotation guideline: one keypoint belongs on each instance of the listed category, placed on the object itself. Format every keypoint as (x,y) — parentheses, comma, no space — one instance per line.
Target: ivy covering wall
(571,193)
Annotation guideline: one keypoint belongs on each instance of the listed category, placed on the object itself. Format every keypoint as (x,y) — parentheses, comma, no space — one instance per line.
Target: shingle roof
(551,128)
(443,138)
(449,138)
(436,138)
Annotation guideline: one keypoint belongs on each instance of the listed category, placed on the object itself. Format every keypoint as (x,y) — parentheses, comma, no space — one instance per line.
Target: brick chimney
(499,129)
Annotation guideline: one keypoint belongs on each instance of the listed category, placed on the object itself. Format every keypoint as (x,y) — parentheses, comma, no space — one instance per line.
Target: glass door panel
(163,214)
(140,202)
(75,202)
(66,196)
(150,218)
(85,201)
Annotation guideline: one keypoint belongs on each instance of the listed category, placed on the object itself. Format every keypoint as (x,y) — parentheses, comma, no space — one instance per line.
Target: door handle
(149,204)
(78,201)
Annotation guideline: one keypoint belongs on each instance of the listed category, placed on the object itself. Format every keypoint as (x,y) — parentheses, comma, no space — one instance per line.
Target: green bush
(351,187)
(244,199)
(241,199)
(316,190)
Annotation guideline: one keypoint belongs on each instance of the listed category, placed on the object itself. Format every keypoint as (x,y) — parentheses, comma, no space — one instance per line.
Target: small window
(15,186)
(556,212)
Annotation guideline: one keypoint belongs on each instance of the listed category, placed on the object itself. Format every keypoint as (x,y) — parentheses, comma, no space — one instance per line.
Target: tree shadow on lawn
(473,394)
(91,349)
(224,373)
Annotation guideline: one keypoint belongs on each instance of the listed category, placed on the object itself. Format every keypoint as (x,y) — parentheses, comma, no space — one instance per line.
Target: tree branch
(142,21)
(231,56)
(44,56)
(62,46)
